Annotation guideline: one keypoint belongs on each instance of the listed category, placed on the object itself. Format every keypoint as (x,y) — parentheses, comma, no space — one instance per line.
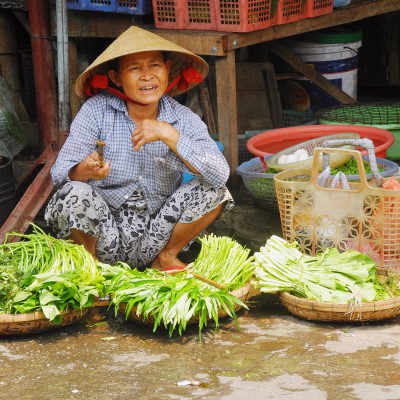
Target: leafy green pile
(351,168)
(42,273)
(174,301)
(331,276)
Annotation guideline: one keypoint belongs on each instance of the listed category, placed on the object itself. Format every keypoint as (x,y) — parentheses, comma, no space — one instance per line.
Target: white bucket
(337,62)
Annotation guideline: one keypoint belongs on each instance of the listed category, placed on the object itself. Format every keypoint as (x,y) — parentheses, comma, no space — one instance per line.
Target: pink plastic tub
(275,140)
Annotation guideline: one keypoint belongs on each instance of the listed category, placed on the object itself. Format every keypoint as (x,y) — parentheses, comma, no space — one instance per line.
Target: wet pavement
(274,355)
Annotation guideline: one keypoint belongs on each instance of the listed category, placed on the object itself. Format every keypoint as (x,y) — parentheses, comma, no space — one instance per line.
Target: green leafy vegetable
(42,273)
(174,301)
(330,276)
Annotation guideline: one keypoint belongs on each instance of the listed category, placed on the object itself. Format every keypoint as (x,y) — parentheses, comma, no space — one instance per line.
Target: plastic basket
(319,7)
(137,7)
(312,310)
(259,183)
(218,15)
(295,118)
(366,217)
(336,160)
(291,11)
(380,115)
(275,140)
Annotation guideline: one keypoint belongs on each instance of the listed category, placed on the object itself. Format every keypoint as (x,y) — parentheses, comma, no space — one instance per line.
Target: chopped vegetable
(351,168)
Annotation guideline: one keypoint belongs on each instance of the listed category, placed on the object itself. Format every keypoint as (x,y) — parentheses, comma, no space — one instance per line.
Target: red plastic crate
(185,14)
(319,7)
(218,15)
(245,15)
(291,11)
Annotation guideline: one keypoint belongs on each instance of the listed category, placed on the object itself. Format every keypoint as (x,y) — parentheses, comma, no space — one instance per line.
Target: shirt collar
(166,112)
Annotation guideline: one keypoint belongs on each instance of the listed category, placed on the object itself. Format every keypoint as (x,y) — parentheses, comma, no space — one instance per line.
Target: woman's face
(142,76)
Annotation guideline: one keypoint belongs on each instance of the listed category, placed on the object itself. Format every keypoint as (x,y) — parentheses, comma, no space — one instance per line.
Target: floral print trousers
(130,234)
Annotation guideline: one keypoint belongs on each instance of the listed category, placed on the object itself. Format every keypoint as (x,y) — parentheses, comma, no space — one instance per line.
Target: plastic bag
(339,181)
(12,134)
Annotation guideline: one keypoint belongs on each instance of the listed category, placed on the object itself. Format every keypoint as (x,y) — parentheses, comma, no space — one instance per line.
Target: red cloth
(97,82)
(187,76)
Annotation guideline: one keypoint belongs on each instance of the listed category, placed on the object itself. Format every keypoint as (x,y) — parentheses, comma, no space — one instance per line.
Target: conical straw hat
(136,40)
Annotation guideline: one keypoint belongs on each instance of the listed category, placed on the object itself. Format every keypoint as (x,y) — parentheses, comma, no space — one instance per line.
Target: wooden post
(227,107)
(44,72)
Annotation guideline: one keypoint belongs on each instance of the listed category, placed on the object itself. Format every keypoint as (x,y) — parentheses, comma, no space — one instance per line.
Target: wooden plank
(226,106)
(208,108)
(98,24)
(253,106)
(357,10)
(310,73)
(274,100)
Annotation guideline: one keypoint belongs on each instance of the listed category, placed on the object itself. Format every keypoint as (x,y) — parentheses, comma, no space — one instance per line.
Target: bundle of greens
(224,260)
(42,273)
(341,278)
(173,301)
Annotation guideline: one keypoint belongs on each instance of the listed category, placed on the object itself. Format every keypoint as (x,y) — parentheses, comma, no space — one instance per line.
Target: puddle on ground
(273,356)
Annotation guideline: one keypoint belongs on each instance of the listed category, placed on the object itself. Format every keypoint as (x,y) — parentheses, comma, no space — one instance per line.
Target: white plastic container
(336,61)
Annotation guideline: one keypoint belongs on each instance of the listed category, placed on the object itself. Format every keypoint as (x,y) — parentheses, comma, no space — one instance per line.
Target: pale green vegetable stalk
(171,301)
(224,260)
(330,276)
(38,253)
(42,273)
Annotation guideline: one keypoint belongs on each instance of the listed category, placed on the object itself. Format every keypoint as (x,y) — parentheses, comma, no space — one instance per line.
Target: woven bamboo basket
(311,310)
(21,324)
(241,293)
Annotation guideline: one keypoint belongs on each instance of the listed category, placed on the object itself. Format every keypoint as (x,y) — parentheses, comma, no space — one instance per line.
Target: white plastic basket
(336,160)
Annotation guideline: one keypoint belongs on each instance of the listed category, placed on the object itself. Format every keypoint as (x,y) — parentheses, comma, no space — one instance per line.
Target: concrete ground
(274,355)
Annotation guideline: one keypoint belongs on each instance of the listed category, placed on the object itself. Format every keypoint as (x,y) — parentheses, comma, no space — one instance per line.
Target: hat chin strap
(186,76)
(100,82)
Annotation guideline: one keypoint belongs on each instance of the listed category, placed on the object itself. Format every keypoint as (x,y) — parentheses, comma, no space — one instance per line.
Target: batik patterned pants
(130,234)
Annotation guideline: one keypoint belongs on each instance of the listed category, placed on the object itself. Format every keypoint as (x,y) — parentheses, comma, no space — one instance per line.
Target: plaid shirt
(154,169)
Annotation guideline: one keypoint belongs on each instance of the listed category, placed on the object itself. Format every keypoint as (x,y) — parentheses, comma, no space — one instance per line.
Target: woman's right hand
(89,168)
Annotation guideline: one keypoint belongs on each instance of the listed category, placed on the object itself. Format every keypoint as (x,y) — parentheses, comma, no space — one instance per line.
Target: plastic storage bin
(219,15)
(137,7)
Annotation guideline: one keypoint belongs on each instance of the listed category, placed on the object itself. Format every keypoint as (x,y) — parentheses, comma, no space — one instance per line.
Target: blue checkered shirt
(155,169)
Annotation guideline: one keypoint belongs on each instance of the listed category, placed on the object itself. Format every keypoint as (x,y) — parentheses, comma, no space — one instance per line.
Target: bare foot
(168,264)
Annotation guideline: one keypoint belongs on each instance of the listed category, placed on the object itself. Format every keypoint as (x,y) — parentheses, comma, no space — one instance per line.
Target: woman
(132,207)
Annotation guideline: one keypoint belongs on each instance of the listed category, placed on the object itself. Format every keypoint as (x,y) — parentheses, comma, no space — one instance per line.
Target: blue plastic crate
(137,7)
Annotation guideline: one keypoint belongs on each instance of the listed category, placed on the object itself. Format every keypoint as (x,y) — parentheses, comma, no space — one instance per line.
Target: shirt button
(126,197)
